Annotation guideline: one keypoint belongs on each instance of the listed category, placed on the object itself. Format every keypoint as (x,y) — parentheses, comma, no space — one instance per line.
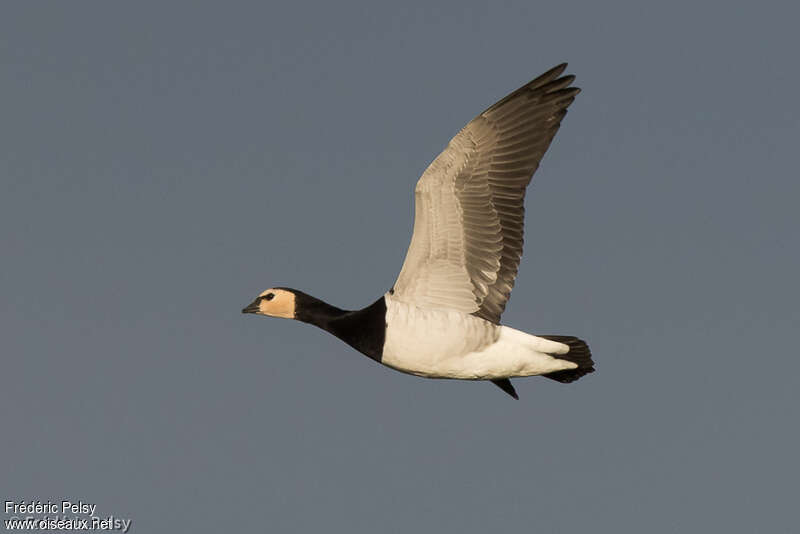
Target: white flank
(452,344)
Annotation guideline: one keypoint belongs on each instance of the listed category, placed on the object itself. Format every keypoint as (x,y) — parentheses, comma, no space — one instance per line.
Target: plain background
(161,163)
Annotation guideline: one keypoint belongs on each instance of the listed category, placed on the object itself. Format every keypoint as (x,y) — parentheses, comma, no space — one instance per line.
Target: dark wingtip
(506,385)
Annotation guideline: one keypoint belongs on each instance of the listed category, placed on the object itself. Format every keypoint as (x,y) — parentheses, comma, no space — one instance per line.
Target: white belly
(450,344)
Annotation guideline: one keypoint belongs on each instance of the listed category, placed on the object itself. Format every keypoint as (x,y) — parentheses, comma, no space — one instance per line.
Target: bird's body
(441,319)
(451,344)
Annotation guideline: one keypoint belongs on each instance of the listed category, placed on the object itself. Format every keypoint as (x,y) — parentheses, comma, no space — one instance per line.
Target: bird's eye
(269,296)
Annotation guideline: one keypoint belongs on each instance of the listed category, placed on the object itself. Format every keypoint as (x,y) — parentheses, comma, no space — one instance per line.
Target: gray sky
(162,163)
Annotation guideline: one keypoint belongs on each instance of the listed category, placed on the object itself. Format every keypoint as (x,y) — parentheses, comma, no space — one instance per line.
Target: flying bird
(441,319)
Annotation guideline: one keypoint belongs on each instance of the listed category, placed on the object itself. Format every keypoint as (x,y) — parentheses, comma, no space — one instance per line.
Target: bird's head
(275,302)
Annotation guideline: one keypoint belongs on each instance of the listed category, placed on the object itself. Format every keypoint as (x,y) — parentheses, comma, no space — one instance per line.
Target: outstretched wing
(469,211)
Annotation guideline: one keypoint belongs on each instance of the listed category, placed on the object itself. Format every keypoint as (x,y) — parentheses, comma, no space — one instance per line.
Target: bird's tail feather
(579,353)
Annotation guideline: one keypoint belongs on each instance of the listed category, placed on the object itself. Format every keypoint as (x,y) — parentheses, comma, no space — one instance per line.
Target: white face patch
(276,303)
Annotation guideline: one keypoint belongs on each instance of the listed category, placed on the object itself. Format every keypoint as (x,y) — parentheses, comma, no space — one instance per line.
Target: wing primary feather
(506,385)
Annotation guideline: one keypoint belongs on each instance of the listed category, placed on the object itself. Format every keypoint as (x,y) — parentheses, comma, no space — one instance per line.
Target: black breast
(364,330)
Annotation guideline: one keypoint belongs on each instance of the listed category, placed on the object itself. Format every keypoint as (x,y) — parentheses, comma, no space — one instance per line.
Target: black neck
(314,311)
(364,329)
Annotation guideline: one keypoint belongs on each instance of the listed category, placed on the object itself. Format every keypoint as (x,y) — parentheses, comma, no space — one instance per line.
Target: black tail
(578,353)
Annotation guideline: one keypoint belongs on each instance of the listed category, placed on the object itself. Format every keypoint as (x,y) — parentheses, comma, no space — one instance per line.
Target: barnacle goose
(442,317)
